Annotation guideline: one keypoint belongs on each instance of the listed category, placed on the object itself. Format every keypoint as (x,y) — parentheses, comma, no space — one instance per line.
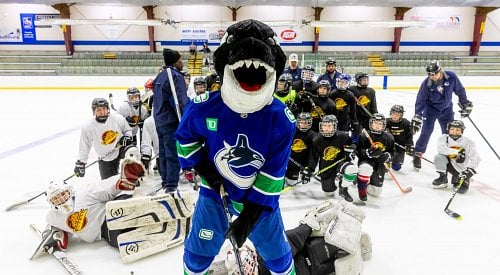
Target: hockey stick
(422,157)
(17,204)
(60,256)
(447,210)
(111,101)
(405,190)
(231,236)
(363,107)
(316,173)
(491,147)
(301,167)
(174,94)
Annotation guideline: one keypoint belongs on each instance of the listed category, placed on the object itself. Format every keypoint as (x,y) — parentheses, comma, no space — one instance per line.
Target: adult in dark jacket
(169,103)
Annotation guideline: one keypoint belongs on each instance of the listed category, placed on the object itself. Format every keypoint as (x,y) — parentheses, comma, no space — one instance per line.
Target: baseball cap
(293,57)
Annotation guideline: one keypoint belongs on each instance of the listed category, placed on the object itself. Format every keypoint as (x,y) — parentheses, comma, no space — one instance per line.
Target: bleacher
(146,63)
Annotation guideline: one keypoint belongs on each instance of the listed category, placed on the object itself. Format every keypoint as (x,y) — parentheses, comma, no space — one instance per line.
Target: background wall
(452,33)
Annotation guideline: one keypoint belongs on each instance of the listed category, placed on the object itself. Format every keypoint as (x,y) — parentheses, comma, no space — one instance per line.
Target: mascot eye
(230,39)
(271,41)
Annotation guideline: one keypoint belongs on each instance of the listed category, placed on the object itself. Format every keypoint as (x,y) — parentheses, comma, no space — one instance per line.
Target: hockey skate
(417,161)
(344,193)
(49,244)
(441,181)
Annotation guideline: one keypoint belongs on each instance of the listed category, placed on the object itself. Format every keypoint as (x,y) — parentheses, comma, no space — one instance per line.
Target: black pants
(108,168)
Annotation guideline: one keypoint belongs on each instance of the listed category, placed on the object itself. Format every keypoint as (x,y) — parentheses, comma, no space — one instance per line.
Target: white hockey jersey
(127,110)
(450,147)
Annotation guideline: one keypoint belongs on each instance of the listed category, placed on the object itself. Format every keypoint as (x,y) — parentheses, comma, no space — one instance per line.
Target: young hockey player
(109,134)
(321,104)
(301,148)
(239,140)
(399,127)
(345,103)
(458,156)
(284,91)
(365,98)
(320,244)
(95,210)
(133,111)
(200,86)
(334,151)
(374,153)
(434,101)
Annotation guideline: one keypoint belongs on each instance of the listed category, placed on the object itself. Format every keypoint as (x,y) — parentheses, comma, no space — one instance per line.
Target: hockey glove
(467,173)
(416,123)
(385,157)
(79,169)
(57,240)
(241,227)
(354,128)
(207,171)
(125,141)
(350,152)
(373,153)
(131,121)
(306,175)
(131,171)
(145,159)
(189,175)
(410,149)
(461,156)
(465,109)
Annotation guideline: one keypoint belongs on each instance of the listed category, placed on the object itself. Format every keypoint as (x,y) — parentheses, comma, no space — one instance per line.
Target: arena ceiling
(302,3)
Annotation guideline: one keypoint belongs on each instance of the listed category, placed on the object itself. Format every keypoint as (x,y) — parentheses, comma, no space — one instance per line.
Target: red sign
(288,35)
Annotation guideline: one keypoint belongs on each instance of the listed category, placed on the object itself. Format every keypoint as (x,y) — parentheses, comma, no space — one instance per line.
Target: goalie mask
(362,79)
(61,197)
(100,109)
(343,82)
(284,84)
(134,96)
(377,123)
(455,129)
(396,113)
(328,125)
(304,122)
(248,261)
(324,88)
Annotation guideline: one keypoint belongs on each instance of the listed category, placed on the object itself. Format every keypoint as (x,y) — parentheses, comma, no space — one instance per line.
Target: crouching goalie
(99,210)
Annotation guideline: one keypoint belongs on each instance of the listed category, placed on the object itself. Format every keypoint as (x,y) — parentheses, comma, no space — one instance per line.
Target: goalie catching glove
(131,171)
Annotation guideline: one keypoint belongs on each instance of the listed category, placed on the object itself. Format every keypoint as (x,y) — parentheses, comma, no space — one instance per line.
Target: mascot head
(248,61)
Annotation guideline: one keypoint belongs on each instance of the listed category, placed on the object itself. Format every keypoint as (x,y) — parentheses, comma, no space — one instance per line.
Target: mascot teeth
(248,63)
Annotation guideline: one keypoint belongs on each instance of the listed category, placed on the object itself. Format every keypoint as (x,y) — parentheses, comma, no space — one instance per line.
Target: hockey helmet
(61,196)
(377,123)
(134,96)
(284,84)
(304,121)
(328,125)
(307,73)
(397,110)
(362,79)
(330,61)
(343,82)
(100,102)
(433,68)
(457,124)
(200,85)
(325,84)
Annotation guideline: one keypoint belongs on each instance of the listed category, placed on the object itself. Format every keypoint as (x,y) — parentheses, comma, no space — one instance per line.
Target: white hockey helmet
(61,196)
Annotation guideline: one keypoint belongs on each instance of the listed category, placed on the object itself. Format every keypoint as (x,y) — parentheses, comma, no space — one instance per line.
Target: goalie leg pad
(354,211)
(344,232)
(148,210)
(148,240)
(349,265)
(320,216)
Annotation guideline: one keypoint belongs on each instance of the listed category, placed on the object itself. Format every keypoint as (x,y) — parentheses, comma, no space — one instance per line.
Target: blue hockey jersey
(251,151)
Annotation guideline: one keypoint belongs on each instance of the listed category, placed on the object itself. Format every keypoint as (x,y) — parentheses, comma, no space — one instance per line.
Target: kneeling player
(456,155)
(334,151)
(301,148)
(375,151)
(90,212)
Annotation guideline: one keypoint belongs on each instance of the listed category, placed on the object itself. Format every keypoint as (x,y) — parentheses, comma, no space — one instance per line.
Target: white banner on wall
(10,34)
(213,35)
(439,22)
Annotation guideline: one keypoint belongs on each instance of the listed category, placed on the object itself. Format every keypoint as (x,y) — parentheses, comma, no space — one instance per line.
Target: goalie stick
(405,190)
(447,210)
(60,256)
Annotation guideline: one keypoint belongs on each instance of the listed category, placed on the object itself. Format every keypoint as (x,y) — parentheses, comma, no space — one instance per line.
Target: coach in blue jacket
(434,101)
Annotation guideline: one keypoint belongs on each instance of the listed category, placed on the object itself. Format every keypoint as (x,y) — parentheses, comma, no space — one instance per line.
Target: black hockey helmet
(377,118)
(306,118)
(330,61)
(324,83)
(397,109)
(99,102)
(433,67)
(132,91)
(326,120)
(455,124)
(284,84)
(359,76)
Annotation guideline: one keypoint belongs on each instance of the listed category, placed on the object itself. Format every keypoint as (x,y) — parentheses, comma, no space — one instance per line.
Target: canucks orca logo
(239,163)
